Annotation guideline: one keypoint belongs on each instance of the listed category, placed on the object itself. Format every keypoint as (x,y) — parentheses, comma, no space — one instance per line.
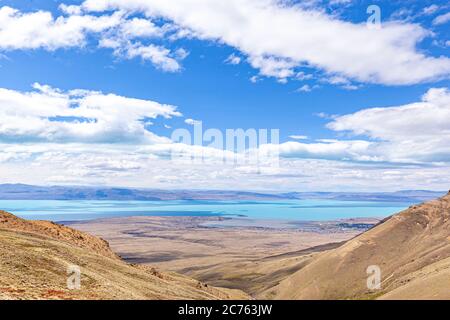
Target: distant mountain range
(28,192)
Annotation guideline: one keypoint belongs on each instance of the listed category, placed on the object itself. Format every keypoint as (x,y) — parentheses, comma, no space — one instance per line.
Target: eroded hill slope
(412,250)
(35,256)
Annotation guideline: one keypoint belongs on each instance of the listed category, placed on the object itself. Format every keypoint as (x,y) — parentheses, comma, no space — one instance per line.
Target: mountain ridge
(29,192)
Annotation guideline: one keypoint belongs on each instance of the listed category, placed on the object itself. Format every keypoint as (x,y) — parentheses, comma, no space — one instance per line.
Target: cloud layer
(277,38)
(49,135)
(415,132)
(40,30)
(78,136)
(47,114)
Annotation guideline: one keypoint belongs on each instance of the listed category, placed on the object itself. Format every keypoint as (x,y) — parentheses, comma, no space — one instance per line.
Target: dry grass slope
(34,257)
(412,249)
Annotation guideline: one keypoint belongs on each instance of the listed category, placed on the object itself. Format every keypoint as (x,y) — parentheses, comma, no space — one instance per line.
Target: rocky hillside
(412,250)
(57,232)
(35,256)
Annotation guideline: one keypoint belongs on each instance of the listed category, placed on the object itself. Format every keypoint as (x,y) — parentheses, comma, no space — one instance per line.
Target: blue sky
(328,78)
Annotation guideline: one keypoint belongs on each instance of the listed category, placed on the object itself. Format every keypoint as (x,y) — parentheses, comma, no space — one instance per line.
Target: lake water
(296,210)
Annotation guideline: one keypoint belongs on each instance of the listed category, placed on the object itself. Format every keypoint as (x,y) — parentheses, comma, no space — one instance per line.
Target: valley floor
(251,258)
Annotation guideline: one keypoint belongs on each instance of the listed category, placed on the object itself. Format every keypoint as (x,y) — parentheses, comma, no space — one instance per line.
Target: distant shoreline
(228,223)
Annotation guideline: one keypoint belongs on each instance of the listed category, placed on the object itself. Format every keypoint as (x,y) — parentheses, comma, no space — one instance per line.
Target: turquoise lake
(297,210)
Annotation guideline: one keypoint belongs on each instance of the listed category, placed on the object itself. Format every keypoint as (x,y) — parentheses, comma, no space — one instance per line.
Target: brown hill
(58,232)
(35,256)
(411,248)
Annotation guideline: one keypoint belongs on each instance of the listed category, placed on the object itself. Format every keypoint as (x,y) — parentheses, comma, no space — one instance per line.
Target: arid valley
(250,259)
(203,258)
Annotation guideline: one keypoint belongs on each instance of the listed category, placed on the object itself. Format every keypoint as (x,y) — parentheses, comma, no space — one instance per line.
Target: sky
(93,92)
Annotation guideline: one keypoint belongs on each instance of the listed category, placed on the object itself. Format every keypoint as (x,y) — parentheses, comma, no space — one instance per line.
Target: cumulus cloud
(137,167)
(192,122)
(414,132)
(140,28)
(430,9)
(233,59)
(40,30)
(159,56)
(353,150)
(47,114)
(299,137)
(306,88)
(88,137)
(442,19)
(70,9)
(124,35)
(85,136)
(278,37)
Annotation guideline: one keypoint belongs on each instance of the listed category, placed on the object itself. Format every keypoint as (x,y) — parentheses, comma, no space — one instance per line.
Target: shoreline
(243,222)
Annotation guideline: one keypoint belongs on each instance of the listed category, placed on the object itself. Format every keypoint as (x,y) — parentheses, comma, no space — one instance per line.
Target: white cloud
(124,41)
(353,150)
(414,132)
(340,81)
(99,165)
(307,88)
(339,2)
(192,122)
(52,115)
(105,143)
(233,59)
(181,54)
(254,79)
(159,56)
(303,76)
(40,30)
(442,19)
(299,137)
(337,80)
(430,9)
(273,67)
(70,9)
(136,27)
(278,37)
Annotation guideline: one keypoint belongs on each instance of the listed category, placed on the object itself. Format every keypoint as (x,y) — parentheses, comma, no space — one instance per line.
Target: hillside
(412,249)
(34,257)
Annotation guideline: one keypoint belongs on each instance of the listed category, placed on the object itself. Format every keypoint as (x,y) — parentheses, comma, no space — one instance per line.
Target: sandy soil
(249,258)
